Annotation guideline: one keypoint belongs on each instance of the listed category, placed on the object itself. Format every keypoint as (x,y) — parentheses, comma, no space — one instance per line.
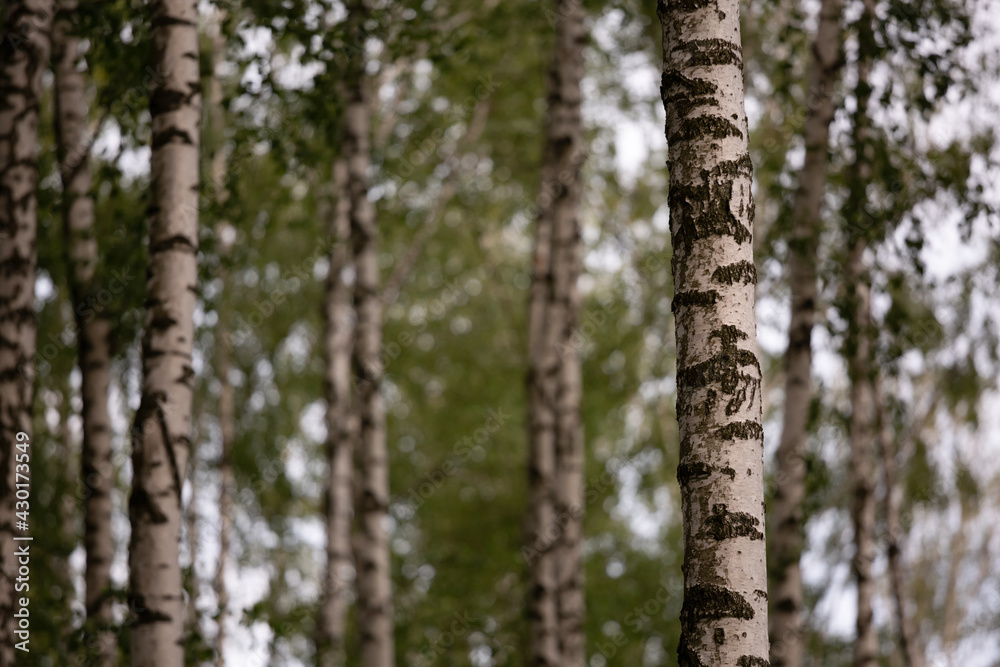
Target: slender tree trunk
(191,580)
(863,454)
(952,613)
(555,466)
(786,596)
(724,613)
(912,655)
(860,353)
(161,436)
(227,425)
(374,578)
(93,332)
(223,339)
(24,54)
(339,432)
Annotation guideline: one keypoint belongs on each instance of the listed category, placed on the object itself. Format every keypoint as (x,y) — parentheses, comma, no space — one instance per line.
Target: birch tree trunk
(339,432)
(93,332)
(724,613)
(786,597)
(859,352)
(223,364)
(374,578)
(555,467)
(912,655)
(24,54)
(161,436)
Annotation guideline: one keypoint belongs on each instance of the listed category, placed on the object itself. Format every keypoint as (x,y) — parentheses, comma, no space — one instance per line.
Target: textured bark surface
(724,613)
(555,466)
(908,646)
(93,332)
(161,436)
(859,352)
(339,339)
(786,598)
(374,578)
(24,54)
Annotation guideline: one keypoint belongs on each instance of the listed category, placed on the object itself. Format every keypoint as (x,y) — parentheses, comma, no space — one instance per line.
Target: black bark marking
(175,242)
(752,661)
(703,209)
(724,525)
(740,272)
(688,472)
(686,657)
(745,430)
(165,100)
(707,601)
(722,369)
(171,134)
(682,5)
(711,52)
(682,94)
(694,298)
(696,129)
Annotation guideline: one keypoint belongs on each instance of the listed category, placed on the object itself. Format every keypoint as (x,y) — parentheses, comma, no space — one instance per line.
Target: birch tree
(340,430)
(908,644)
(724,612)
(224,234)
(93,329)
(859,349)
(555,468)
(24,54)
(374,578)
(161,436)
(786,597)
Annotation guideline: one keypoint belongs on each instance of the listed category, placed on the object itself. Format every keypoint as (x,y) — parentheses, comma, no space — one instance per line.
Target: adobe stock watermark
(429,146)
(593,490)
(463,450)
(669,591)
(460,626)
(86,311)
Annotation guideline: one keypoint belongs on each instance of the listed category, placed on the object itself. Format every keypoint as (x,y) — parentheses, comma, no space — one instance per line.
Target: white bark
(24,54)
(93,333)
(339,340)
(785,612)
(374,576)
(161,436)
(555,467)
(859,349)
(724,613)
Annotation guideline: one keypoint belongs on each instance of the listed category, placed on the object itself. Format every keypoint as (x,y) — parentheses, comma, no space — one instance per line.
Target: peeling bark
(785,613)
(859,352)
(556,446)
(24,54)
(374,578)
(340,432)
(93,333)
(161,435)
(724,613)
